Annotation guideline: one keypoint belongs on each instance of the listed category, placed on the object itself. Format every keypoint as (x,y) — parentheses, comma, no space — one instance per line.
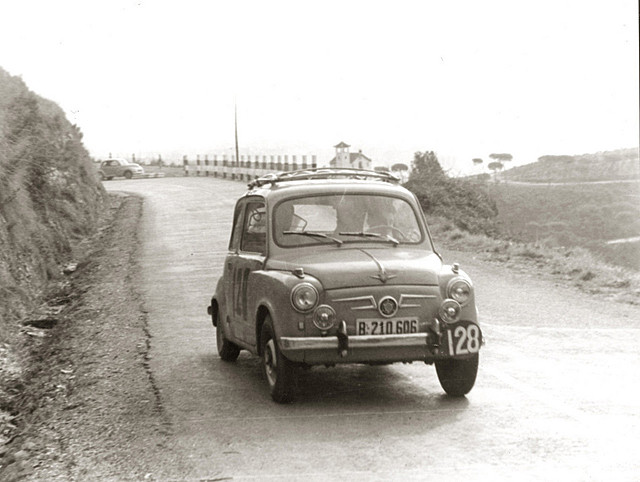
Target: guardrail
(247,167)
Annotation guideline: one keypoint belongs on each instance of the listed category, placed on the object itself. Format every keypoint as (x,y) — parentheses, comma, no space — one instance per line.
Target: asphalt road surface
(556,395)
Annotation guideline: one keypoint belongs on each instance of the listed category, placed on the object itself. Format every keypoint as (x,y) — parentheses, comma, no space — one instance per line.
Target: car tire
(102,176)
(228,351)
(128,174)
(457,377)
(279,371)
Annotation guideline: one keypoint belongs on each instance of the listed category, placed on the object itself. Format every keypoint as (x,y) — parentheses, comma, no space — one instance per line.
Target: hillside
(582,215)
(621,164)
(50,199)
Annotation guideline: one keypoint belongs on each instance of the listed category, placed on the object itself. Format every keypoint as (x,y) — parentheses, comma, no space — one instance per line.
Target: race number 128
(464,340)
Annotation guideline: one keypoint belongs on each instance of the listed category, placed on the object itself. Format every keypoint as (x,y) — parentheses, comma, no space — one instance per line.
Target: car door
(113,168)
(250,258)
(118,168)
(230,268)
(106,169)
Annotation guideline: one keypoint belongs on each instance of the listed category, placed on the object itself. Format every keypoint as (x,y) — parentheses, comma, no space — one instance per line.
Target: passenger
(284,218)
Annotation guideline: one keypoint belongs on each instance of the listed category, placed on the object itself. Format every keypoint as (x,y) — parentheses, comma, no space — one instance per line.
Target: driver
(381,216)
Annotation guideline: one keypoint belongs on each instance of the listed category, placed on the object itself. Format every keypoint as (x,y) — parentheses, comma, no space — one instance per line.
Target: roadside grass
(575,266)
(583,215)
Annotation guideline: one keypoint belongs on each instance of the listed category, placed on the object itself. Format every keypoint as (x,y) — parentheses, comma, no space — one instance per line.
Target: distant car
(119,168)
(331,266)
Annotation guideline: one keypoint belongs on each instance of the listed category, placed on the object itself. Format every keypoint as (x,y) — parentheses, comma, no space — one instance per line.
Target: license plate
(392,326)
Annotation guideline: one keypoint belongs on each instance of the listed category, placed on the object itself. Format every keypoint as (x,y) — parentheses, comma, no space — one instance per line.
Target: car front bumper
(342,348)
(355,342)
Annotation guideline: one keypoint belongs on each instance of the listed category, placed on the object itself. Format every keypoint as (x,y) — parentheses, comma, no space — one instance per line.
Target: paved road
(556,396)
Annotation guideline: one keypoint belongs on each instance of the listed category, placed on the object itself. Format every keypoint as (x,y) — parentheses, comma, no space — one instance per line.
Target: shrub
(466,204)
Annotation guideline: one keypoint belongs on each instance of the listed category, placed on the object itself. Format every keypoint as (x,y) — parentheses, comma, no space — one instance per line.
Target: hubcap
(270,362)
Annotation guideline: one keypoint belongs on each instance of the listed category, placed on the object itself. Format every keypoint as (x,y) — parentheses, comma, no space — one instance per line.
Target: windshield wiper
(367,234)
(316,235)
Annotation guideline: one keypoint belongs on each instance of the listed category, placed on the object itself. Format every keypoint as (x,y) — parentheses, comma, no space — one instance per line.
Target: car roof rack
(324,173)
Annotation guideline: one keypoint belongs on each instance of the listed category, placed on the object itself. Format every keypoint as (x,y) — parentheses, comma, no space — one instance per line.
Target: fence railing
(247,168)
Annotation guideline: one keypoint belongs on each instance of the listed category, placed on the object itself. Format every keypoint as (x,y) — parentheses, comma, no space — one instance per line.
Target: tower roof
(342,144)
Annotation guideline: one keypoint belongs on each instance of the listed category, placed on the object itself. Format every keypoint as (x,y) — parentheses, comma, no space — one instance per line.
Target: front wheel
(228,351)
(128,174)
(457,377)
(280,372)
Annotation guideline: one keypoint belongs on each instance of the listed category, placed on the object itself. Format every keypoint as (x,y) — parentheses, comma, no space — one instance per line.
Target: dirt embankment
(90,406)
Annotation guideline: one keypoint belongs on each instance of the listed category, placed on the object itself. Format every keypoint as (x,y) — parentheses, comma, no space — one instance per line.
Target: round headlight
(304,297)
(450,311)
(459,290)
(324,317)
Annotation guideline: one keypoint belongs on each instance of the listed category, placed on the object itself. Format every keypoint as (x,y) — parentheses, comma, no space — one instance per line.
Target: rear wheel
(280,372)
(103,177)
(228,351)
(457,377)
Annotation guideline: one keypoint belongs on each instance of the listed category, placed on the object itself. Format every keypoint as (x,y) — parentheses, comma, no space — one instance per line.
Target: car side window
(234,242)
(254,233)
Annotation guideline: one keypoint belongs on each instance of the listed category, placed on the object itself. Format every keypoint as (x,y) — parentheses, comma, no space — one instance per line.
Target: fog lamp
(324,317)
(304,297)
(450,311)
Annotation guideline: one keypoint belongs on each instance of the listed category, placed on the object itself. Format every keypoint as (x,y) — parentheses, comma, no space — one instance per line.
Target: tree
(425,164)
(495,166)
(501,157)
(477,163)
(466,204)
(401,169)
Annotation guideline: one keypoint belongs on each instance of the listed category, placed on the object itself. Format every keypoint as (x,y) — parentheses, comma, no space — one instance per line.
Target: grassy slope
(49,200)
(567,265)
(581,213)
(560,230)
(574,215)
(601,166)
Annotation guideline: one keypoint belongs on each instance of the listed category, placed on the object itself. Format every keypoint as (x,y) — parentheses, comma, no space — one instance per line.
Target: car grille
(420,302)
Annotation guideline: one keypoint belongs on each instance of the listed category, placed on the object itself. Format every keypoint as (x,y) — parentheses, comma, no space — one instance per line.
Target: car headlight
(459,290)
(304,297)
(450,311)
(324,317)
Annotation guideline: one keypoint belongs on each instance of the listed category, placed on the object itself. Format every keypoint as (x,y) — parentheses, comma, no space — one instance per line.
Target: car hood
(350,267)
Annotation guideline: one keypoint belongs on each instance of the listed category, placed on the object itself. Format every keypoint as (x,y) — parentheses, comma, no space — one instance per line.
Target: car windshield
(345,218)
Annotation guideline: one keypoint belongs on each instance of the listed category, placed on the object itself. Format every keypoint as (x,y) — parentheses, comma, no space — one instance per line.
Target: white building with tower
(344,158)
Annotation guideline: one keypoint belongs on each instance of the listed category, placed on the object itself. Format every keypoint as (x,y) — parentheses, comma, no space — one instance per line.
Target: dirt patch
(90,408)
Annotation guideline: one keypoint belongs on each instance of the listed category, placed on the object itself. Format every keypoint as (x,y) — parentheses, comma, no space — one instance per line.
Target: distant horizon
(464,79)
(323,157)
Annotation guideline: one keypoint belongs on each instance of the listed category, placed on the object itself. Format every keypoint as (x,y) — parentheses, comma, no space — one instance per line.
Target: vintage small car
(329,266)
(119,168)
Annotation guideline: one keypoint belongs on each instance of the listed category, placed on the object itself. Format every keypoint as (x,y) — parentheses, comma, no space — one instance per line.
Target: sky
(462,78)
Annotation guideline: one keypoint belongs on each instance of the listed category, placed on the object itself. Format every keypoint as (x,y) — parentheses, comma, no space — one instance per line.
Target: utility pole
(235,106)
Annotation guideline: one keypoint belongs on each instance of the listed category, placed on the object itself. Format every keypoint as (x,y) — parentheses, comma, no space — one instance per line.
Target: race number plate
(391,326)
(462,338)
